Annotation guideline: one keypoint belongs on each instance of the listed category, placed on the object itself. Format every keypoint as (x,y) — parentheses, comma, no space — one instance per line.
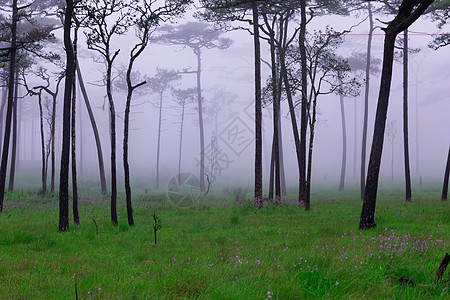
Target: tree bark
(68,86)
(446,176)
(12,170)
(405,117)
(98,144)
(366,101)
(12,71)
(53,137)
(344,144)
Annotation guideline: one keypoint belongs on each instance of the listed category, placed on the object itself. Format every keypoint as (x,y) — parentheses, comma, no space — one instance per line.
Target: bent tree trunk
(409,11)
(98,144)
(446,176)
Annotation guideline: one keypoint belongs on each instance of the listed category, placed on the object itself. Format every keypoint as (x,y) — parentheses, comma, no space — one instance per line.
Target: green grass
(220,251)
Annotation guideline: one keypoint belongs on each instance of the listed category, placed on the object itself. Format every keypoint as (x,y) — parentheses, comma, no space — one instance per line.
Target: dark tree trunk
(366,102)
(200,120)
(43,156)
(409,11)
(68,86)
(158,144)
(258,200)
(76,217)
(280,151)
(446,176)
(52,129)
(12,71)
(12,170)
(112,128)
(405,117)
(304,119)
(344,144)
(275,159)
(2,107)
(98,144)
(368,210)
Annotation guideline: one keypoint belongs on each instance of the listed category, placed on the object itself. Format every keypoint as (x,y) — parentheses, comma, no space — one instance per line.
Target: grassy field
(218,250)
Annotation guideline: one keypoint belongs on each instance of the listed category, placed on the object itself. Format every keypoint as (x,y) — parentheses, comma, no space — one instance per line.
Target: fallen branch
(96,227)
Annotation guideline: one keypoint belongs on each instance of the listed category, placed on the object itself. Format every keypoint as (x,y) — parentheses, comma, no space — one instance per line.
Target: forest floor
(217,249)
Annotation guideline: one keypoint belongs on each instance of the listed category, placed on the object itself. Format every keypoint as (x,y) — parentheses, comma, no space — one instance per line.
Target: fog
(232,70)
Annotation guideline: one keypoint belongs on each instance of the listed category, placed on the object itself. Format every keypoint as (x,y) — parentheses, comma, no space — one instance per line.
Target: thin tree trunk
(200,120)
(12,71)
(158,144)
(53,126)
(12,169)
(344,144)
(112,128)
(68,86)
(417,125)
(304,119)
(80,134)
(446,177)
(280,151)
(76,217)
(405,117)
(181,141)
(258,200)
(44,162)
(366,102)
(2,108)
(98,144)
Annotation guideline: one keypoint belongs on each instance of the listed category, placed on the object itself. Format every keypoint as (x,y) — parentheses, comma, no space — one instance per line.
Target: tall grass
(219,250)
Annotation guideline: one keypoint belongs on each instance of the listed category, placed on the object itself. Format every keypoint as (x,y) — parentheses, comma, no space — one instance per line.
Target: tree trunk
(98,144)
(2,108)
(409,12)
(304,119)
(44,162)
(280,151)
(76,217)
(12,169)
(368,210)
(126,165)
(68,86)
(159,138)
(344,144)
(12,71)
(366,102)
(200,120)
(405,117)
(446,176)
(181,141)
(258,200)
(53,126)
